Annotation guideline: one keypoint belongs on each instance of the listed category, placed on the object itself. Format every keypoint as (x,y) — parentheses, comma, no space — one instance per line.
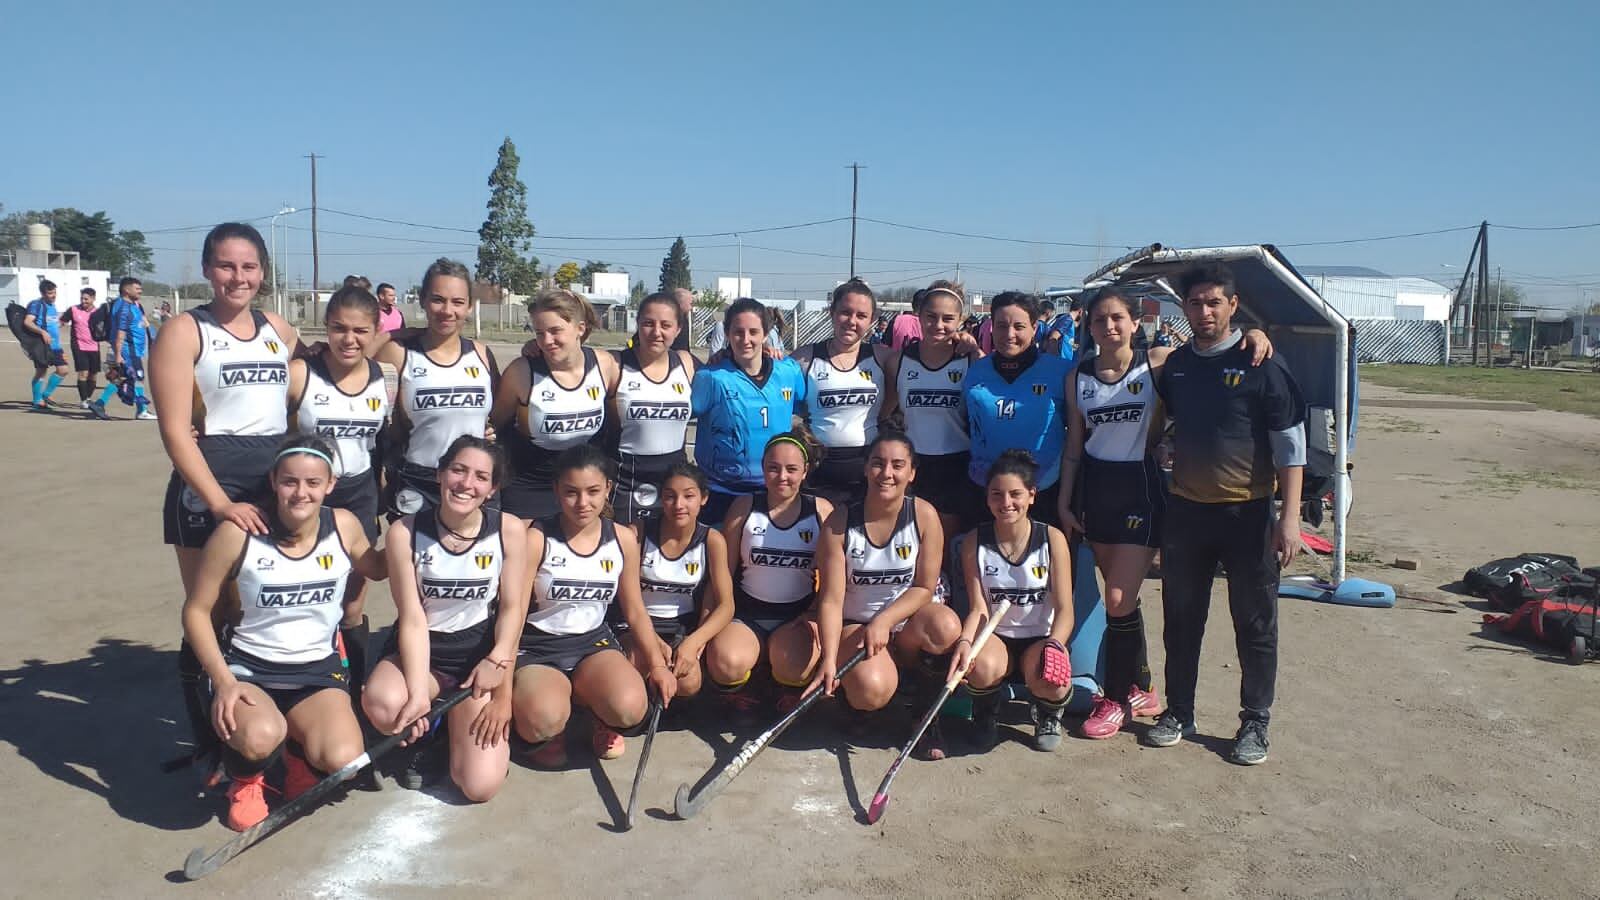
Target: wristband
(498,663)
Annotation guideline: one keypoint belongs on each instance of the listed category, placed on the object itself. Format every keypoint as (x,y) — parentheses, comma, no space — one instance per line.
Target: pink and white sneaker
(1105,720)
(1144,704)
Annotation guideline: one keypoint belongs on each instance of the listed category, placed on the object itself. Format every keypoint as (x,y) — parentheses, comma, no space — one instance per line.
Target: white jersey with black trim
(458,590)
(1026,582)
(875,576)
(242,385)
(556,417)
(571,590)
(842,404)
(350,421)
(778,565)
(654,415)
(670,586)
(442,402)
(931,400)
(1117,416)
(290,607)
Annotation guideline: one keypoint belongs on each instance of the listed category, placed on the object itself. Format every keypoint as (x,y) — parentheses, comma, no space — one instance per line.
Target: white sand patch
(393,851)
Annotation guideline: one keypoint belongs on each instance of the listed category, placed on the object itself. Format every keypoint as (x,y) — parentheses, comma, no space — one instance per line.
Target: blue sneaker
(1250,744)
(1168,730)
(99,409)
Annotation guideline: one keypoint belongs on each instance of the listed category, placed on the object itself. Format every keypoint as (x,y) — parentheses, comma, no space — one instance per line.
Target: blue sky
(1069,122)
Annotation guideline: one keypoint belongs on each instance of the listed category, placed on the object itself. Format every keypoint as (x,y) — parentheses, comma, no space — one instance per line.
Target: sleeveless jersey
(1026,583)
(443,402)
(350,421)
(875,576)
(289,608)
(242,386)
(778,565)
(1117,416)
(571,591)
(556,418)
(843,404)
(654,415)
(1028,413)
(935,414)
(670,586)
(458,590)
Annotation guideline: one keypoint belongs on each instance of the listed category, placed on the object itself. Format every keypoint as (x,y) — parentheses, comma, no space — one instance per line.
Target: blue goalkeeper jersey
(1029,413)
(738,414)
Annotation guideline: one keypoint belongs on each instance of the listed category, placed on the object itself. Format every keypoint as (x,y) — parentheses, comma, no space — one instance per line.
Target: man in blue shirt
(129,334)
(43,323)
(1062,336)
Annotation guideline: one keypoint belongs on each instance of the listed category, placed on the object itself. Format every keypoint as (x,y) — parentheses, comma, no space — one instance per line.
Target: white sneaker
(84,404)
(145,415)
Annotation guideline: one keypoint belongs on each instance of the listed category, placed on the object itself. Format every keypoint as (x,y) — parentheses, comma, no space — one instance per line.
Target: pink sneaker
(607,744)
(1105,720)
(1144,704)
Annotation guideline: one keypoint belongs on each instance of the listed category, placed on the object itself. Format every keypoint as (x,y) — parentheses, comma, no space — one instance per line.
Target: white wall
(609,284)
(734,288)
(1435,306)
(20,284)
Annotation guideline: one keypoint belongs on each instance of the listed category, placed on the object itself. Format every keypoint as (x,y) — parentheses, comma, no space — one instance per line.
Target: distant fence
(798,327)
(1400,341)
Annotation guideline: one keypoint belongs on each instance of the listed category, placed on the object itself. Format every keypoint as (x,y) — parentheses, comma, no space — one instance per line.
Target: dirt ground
(1412,755)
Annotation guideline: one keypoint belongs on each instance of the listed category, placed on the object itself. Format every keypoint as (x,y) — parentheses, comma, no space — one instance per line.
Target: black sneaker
(1168,730)
(420,762)
(985,722)
(1046,726)
(1249,744)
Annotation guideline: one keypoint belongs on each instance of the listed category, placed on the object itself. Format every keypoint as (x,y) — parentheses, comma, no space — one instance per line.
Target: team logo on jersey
(547,396)
(319,400)
(858,553)
(1086,394)
(903,551)
(691,568)
(677,387)
(245,373)
(1038,571)
(1136,388)
(991,570)
(373,403)
(594,393)
(425,558)
(1232,377)
(483,560)
(865,375)
(913,374)
(418,371)
(473,397)
(1039,389)
(557,561)
(606,565)
(1134,523)
(264,562)
(821,374)
(272,347)
(325,560)
(955,377)
(758,529)
(633,385)
(217,344)
(805,534)
(473,371)
(787,394)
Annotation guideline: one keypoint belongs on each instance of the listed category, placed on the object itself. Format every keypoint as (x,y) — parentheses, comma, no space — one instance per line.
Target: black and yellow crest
(606,565)
(484,560)
(472,371)
(325,560)
(1136,387)
(787,394)
(677,387)
(903,551)
(1039,389)
(865,375)
(691,568)
(374,402)
(955,377)
(805,534)
(1232,377)
(1134,522)
(272,347)
(1038,571)
(594,393)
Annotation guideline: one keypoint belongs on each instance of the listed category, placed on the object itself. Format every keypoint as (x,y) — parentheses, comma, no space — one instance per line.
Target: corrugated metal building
(1362,293)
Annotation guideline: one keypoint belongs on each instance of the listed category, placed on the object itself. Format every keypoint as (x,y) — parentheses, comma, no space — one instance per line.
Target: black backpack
(15,313)
(1508,583)
(100,322)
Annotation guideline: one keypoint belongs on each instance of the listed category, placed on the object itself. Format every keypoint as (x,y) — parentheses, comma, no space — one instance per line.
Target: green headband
(787,439)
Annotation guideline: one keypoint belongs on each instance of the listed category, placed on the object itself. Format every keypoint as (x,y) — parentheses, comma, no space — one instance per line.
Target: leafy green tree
(95,238)
(566,274)
(675,267)
(636,295)
(506,237)
(710,298)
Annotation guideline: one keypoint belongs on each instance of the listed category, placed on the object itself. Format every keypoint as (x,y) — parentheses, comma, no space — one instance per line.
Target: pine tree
(507,234)
(675,267)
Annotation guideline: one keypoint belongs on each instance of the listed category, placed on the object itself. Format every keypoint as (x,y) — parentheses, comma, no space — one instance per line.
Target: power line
(559,237)
(985,237)
(1547,227)
(1386,237)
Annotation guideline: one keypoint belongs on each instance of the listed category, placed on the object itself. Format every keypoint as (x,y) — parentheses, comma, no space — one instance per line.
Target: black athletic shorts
(529,499)
(359,495)
(764,618)
(1014,648)
(670,630)
(85,360)
(1121,502)
(452,655)
(942,481)
(636,496)
(37,349)
(289,683)
(842,473)
(239,463)
(564,651)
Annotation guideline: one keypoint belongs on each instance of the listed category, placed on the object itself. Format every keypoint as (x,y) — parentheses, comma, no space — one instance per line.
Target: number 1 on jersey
(764,418)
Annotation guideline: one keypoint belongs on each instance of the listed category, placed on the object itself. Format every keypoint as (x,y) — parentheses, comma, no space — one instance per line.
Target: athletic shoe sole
(1241,761)
(1152,739)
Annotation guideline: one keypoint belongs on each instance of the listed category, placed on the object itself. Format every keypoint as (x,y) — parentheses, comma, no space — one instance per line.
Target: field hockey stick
(685,806)
(644,757)
(198,865)
(880,799)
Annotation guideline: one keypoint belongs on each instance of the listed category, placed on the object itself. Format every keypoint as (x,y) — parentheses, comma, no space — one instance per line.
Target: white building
(732,289)
(1361,293)
(23,269)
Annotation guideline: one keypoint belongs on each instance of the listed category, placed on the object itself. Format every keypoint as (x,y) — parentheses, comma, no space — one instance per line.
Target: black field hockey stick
(685,806)
(880,799)
(644,758)
(198,865)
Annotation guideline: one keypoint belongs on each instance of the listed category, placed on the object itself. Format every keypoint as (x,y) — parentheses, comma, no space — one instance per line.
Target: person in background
(1061,338)
(360,281)
(128,332)
(775,341)
(85,349)
(42,323)
(390,318)
(1166,337)
(685,299)
(907,327)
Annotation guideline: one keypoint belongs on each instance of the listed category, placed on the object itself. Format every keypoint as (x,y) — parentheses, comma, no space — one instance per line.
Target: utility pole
(316,268)
(855,191)
(739,283)
(958,273)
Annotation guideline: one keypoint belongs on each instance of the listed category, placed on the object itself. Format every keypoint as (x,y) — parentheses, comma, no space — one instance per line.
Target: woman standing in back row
(651,407)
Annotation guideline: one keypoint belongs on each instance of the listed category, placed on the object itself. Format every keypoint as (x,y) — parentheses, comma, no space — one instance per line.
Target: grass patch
(1561,391)
(1497,480)
(1392,424)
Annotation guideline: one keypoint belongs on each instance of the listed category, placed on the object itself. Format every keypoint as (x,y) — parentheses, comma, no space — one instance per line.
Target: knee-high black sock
(196,703)
(355,652)
(1124,646)
(85,389)
(234,763)
(1141,669)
